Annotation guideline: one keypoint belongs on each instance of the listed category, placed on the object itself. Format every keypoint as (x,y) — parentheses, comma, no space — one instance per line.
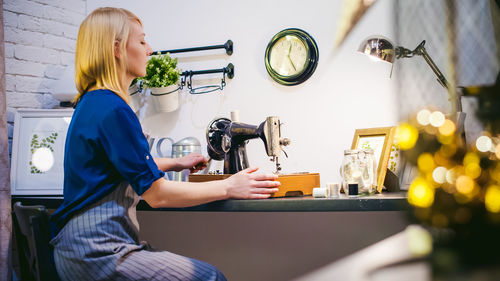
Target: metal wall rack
(228,46)
(186,78)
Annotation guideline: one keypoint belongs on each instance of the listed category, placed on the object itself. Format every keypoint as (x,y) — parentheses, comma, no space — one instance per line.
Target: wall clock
(291,56)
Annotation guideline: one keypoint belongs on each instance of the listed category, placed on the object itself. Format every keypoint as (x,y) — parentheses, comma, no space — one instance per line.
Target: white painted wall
(40,39)
(346,92)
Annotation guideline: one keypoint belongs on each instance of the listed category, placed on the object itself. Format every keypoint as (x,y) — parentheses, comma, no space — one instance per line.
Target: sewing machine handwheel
(215,133)
(214,155)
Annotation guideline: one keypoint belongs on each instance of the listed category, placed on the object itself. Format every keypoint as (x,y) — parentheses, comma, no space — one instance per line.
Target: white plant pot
(135,97)
(166,99)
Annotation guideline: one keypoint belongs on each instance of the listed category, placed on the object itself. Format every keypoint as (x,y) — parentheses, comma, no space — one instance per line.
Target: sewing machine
(226,140)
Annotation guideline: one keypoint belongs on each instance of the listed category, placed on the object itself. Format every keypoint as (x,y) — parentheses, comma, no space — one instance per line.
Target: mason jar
(359,166)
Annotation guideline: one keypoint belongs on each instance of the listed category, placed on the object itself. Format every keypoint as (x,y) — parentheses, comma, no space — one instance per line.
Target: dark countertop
(378,202)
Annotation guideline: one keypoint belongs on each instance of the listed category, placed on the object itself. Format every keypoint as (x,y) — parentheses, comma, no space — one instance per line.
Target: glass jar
(359,167)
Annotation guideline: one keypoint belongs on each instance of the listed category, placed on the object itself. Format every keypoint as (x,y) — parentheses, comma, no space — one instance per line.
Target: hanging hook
(183,82)
(223,81)
(190,81)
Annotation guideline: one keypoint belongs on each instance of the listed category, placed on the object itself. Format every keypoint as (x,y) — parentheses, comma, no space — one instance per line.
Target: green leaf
(161,71)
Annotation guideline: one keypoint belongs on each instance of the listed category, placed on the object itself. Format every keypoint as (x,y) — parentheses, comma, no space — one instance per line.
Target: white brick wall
(40,39)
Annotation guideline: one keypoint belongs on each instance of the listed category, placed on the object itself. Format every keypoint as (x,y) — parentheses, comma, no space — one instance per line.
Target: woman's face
(137,52)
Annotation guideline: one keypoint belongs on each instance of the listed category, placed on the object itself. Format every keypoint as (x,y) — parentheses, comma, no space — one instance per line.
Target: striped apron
(102,243)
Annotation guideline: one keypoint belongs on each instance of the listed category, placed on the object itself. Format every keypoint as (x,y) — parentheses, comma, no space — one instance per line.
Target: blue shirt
(105,146)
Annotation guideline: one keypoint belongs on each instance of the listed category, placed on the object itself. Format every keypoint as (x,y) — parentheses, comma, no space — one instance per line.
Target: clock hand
(294,68)
(289,51)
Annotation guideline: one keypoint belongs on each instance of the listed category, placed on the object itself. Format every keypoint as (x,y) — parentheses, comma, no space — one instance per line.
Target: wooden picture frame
(38,151)
(380,140)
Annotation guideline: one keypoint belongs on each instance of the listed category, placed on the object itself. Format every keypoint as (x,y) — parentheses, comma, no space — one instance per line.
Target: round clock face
(291,56)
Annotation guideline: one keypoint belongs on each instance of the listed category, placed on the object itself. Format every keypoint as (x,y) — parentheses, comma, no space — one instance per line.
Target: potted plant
(162,77)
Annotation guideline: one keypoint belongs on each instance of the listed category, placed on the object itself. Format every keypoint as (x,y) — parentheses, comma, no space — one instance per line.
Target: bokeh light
(484,143)
(448,128)
(419,241)
(464,198)
(421,193)
(426,162)
(437,119)
(492,199)
(453,174)
(471,158)
(448,150)
(446,140)
(439,220)
(495,173)
(497,151)
(440,159)
(465,184)
(423,117)
(406,136)
(439,175)
(473,170)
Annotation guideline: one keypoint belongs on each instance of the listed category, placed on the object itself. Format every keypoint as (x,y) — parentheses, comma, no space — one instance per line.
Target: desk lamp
(383,49)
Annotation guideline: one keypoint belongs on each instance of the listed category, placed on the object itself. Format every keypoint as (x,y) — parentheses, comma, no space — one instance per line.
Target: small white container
(166,99)
(334,188)
(321,192)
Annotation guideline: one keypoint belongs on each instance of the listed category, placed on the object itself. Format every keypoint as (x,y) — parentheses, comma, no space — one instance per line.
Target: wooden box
(291,184)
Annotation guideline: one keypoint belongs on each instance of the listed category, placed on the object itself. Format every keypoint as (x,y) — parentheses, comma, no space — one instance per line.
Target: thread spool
(321,192)
(334,188)
(235,116)
(352,189)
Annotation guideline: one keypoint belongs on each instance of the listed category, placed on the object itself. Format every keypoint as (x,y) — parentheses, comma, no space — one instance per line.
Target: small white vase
(166,99)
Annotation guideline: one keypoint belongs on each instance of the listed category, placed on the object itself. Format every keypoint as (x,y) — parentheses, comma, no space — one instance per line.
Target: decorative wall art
(38,151)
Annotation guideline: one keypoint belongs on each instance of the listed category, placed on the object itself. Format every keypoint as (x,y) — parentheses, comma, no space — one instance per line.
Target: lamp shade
(378,47)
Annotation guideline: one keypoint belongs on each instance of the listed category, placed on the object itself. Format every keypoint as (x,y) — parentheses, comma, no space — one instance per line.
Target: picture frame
(38,151)
(381,141)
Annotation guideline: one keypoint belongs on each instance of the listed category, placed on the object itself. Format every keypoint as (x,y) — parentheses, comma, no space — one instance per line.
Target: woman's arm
(166,164)
(179,164)
(243,185)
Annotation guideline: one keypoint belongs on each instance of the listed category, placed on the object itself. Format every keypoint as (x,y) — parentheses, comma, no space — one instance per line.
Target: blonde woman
(107,166)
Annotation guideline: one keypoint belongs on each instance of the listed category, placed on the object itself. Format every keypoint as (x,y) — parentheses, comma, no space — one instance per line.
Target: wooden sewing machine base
(291,184)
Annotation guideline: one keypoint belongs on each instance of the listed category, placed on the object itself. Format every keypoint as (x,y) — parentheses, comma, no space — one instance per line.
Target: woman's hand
(194,162)
(247,185)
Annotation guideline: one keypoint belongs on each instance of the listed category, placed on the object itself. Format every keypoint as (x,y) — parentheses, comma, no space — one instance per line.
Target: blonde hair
(95,63)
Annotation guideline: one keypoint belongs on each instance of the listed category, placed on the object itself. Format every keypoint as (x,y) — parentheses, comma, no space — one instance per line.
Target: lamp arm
(402,52)
(421,51)
(455,97)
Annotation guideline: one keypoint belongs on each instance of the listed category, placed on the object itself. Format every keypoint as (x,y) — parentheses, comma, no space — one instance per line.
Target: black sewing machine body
(226,140)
